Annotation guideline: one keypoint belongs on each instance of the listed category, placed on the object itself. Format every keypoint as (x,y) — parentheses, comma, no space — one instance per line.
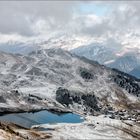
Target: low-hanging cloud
(20,17)
(47,17)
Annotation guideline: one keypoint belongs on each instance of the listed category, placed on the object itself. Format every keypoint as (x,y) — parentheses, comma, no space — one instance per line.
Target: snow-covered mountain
(136,72)
(125,63)
(114,57)
(24,45)
(18,47)
(59,75)
(111,57)
(57,80)
(96,52)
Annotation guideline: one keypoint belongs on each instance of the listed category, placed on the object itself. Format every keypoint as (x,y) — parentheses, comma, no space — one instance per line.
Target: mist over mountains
(115,57)
(112,57)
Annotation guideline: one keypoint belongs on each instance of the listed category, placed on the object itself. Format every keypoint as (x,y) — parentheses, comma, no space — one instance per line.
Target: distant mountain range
(113,57)
(129,62)
(24,46)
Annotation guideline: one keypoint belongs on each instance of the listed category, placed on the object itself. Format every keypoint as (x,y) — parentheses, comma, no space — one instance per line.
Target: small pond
(41,117)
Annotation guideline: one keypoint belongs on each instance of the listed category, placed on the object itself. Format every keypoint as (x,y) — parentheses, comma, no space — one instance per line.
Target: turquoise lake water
(41,117)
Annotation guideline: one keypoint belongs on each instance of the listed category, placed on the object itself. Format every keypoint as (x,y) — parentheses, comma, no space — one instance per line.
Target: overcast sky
(93,19)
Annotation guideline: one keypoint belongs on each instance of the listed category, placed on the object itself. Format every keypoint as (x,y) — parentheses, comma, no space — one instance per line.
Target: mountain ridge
(58,68)
(117,58)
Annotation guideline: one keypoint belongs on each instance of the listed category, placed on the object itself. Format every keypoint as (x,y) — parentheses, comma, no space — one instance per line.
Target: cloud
(34,18)
(21,17)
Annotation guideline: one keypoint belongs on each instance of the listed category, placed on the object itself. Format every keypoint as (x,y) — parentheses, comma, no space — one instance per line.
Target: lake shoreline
(50,109)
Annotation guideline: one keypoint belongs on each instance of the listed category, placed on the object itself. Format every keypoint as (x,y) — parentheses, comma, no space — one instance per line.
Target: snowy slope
(96,52)
(99,128)
(42,72)
(126,63)
(125,60)
(27,45)
(57,80)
